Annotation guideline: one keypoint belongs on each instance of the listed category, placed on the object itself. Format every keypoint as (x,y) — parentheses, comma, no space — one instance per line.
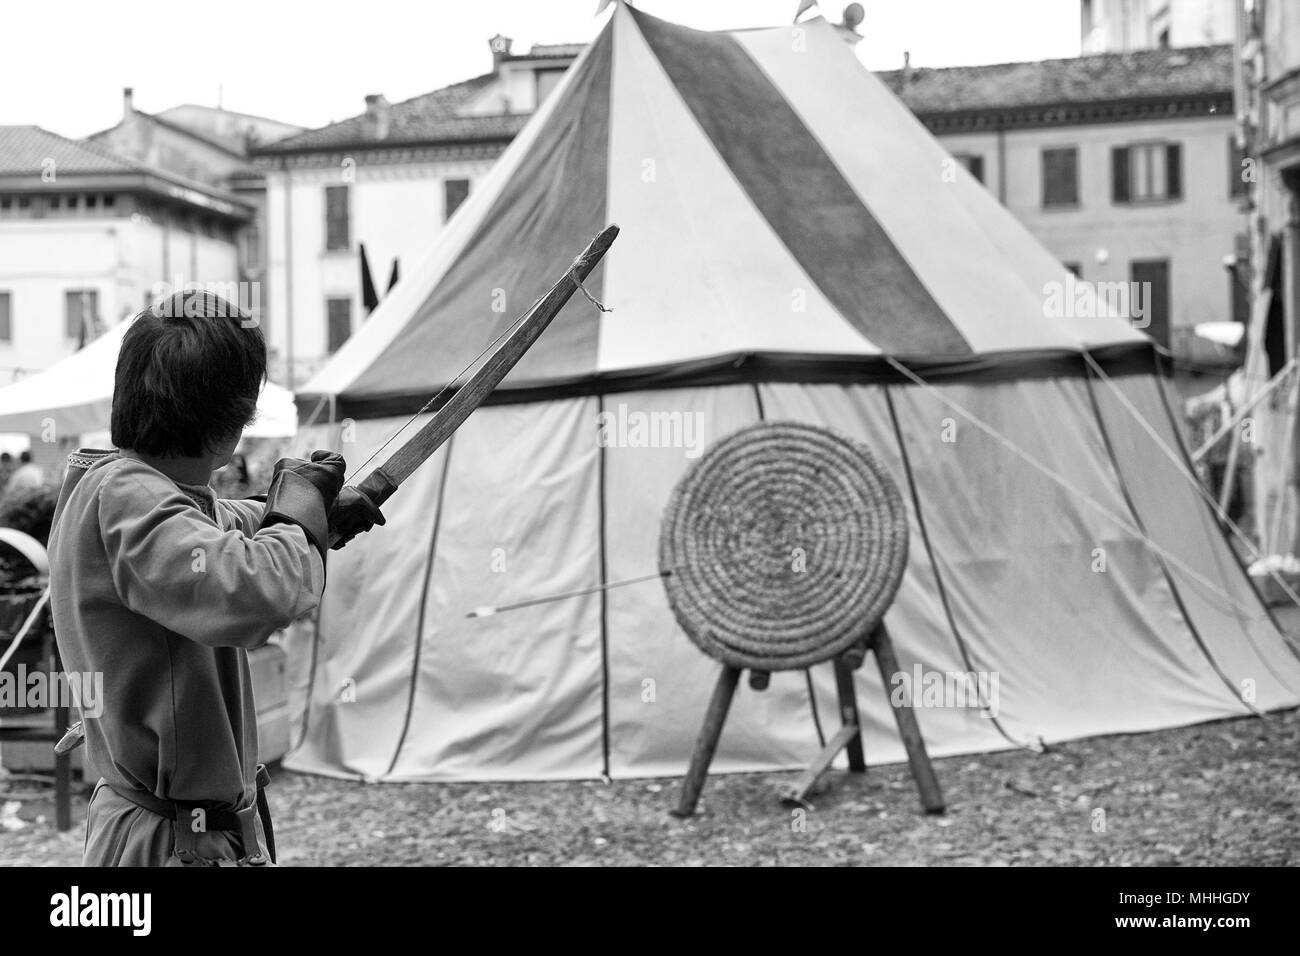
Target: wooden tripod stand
(847,738)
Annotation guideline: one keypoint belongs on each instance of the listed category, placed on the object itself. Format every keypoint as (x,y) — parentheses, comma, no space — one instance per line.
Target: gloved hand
(353,514)
(325,471)
(302,493)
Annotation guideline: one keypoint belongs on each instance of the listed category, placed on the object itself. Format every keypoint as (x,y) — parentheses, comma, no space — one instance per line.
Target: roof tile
(432,117)
(1140,74)
(26,149)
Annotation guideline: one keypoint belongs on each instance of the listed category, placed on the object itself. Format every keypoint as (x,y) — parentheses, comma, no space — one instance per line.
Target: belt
(191,818)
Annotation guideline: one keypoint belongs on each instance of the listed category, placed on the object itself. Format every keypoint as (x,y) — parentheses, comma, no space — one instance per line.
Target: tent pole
(1242,411)
(1230,471)
(1284,484)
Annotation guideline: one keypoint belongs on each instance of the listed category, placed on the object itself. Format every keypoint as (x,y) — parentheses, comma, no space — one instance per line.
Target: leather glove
(353,514)
(302,493)
(325,471)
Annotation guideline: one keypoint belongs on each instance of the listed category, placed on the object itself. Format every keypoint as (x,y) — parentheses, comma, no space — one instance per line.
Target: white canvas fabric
(1012,554)
(672,193)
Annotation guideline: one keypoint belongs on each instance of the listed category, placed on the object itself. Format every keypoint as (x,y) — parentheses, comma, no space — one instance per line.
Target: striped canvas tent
(794,246)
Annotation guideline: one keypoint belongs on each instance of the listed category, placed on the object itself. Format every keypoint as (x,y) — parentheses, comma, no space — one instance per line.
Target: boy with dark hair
(162,588)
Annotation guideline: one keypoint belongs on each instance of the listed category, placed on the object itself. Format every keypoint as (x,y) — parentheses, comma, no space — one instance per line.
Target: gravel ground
(1215,794)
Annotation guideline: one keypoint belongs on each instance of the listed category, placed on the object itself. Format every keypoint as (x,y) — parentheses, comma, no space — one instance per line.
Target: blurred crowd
(28,493)
(22,474)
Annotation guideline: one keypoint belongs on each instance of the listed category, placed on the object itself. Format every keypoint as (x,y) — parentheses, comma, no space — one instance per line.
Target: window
(338,316)
(1146,172)
(454,192)
(1151,301)
(1238,296)
(80,314)
(1061,176)
(1239,278)
(547,80)
(1074,267)
(250,247)
(337,227)
(110,201)
(1237,185)
(6,317)
(974,164)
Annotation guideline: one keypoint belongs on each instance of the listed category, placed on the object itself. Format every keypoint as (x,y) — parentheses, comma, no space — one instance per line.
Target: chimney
(907,67)
(128,102)
(500,47)
(853,17)
(377,116)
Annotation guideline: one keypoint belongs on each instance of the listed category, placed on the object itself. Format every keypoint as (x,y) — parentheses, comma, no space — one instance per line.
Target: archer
(163,589)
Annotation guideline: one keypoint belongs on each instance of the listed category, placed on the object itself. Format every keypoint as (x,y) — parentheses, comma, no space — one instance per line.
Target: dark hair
(188,375)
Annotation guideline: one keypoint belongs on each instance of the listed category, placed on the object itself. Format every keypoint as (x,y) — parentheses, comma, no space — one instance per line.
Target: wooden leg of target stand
(707,743)
(926,782)
(849,711)
(848,738)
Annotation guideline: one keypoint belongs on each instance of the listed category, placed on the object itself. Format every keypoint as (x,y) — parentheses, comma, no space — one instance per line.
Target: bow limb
(380,484)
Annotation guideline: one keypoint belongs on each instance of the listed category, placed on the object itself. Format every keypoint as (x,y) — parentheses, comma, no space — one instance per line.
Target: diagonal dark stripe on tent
(554,204)
(801,192)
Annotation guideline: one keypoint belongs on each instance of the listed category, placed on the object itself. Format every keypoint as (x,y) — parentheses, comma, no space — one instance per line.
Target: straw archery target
(786,544)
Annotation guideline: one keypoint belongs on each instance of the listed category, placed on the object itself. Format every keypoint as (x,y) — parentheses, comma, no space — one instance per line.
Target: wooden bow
(380,484)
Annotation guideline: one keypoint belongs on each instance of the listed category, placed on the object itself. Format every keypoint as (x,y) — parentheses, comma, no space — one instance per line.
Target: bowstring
(456,378)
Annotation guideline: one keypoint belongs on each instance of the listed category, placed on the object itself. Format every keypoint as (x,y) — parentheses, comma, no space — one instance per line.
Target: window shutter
(1174,170)
(1152,277)
(337,227)
(1234,168)
(1119,174)
(1060,176)
(71,315)
(454,192)
(338,314)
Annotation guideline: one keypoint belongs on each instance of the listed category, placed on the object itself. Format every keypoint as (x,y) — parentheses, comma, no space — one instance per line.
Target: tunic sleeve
(173,565)
(244,513)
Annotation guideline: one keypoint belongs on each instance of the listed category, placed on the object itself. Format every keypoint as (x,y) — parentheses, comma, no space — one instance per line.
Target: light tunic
(163,589)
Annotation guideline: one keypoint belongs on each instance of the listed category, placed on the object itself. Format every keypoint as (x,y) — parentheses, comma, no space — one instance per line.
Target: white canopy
(77,395)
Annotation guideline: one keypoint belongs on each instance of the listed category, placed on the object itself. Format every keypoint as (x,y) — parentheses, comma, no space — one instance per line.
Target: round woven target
(786,544)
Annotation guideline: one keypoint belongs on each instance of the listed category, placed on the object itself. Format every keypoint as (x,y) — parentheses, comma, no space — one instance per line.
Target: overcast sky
(312,61)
